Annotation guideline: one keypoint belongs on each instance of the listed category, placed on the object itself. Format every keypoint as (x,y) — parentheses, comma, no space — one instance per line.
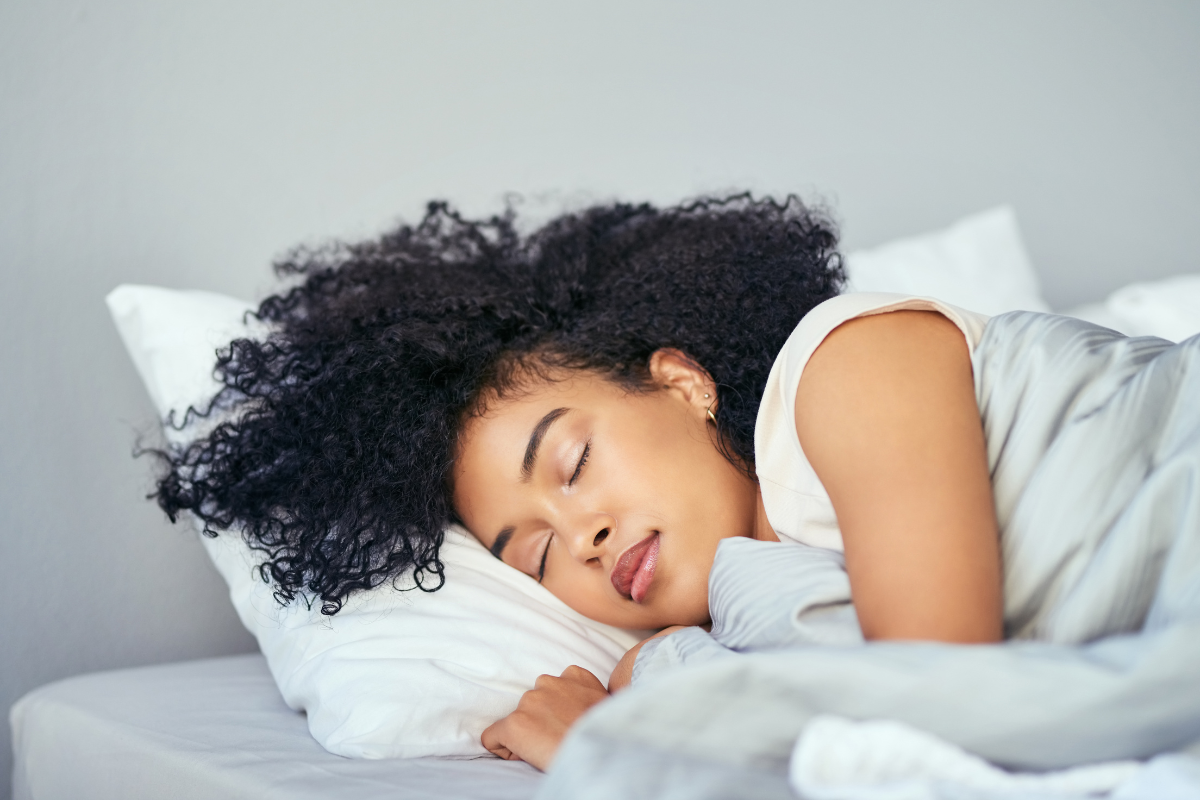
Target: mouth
(634,570)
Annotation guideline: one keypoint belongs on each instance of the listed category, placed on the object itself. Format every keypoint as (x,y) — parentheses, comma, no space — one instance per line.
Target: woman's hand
(534,731)
(623,674)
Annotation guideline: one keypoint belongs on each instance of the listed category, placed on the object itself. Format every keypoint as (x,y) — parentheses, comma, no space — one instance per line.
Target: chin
(687,617)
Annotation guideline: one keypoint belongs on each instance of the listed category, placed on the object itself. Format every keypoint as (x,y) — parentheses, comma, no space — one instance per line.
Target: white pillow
(394,674)
(172,337)
(978,263)
(1169,308)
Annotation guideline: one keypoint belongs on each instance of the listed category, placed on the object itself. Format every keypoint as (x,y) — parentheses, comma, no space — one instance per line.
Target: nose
(586,537)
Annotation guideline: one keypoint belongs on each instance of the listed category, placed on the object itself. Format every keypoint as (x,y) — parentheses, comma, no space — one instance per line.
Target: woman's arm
(886,415)
(622,675)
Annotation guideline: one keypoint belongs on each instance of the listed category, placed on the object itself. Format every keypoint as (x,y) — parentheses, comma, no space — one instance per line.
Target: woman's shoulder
(796,502)
(823,319)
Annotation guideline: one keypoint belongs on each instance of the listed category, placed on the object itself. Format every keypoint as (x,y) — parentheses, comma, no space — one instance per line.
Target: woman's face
(615,501)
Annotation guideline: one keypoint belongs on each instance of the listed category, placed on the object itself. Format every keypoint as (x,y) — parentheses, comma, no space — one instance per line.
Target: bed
(221,728)
(214,729)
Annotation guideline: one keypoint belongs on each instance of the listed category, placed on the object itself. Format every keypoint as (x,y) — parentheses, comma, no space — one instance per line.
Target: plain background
(188,144)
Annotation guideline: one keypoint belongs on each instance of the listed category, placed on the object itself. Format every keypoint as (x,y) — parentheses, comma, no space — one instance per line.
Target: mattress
(216,728)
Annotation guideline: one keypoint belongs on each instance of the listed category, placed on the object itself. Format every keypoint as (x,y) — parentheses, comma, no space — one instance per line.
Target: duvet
(1094,449)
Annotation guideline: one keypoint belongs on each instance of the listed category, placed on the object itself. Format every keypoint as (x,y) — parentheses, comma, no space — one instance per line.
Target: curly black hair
(339,429)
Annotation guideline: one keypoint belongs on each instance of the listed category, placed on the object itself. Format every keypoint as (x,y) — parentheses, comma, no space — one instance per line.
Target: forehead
(491,444)
(503,422)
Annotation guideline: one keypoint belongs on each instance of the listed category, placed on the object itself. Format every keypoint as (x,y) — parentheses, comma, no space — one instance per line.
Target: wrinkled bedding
(214,729)
(1094,449)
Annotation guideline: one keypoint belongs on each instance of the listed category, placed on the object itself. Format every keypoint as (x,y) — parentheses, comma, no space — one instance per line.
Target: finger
(492,740)
(584,678)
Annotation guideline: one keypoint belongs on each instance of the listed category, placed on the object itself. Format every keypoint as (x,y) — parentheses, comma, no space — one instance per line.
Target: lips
(634,570)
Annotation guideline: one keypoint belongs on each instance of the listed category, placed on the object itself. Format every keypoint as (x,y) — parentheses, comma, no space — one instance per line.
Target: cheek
(658,458)
(683,597)
(701,496)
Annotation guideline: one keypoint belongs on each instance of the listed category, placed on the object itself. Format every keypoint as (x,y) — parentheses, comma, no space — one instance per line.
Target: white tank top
(797,505)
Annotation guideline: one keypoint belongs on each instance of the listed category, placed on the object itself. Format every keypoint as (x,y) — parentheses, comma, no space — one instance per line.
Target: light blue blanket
(1094,449)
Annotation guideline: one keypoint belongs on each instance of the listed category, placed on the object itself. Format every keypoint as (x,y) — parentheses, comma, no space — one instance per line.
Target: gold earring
(711,416)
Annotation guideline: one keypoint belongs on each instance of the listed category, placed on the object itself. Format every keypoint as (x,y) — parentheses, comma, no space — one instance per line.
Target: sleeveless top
(796,503)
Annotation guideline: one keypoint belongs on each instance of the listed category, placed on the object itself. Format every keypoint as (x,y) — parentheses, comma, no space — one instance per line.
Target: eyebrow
(535,441)
(502,541)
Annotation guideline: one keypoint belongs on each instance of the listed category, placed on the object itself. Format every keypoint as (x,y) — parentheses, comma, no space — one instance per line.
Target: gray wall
(185,144)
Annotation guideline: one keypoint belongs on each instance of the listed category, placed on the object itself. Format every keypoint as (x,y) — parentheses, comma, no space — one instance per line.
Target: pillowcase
(978,263)
(394,673)
(1169,308)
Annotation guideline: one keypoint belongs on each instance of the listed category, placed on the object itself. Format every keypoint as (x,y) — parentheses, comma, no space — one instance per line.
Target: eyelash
(546,552)
(587,449)
(579,467)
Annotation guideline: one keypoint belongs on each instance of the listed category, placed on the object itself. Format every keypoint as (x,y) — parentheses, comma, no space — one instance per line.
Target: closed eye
(542,566)
(579,467)
(587,449)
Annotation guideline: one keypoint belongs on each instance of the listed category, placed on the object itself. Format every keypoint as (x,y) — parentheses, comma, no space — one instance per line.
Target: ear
(679,373)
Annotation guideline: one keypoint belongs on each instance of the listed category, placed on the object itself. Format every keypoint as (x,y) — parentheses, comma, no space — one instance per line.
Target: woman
(585,399)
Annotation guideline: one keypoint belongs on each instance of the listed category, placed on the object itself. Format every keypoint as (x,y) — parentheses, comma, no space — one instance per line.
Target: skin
(652,467)
(886,415)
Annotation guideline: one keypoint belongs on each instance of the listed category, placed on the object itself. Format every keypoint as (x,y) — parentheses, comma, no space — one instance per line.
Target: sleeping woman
(601,402)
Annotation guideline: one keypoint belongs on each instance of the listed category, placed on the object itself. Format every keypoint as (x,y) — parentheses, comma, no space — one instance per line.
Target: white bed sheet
(217,728)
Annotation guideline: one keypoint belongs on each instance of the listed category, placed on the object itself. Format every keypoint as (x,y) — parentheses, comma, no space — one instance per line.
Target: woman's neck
(762,526)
